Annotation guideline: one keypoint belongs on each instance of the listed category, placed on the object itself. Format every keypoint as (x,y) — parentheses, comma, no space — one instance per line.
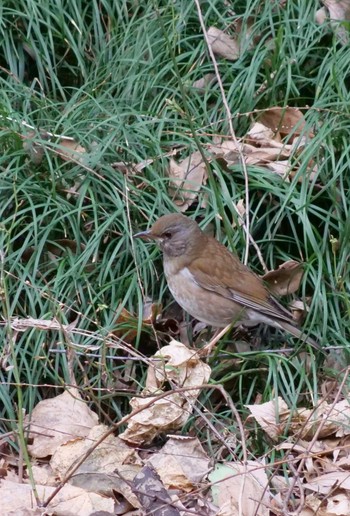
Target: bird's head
(174,233)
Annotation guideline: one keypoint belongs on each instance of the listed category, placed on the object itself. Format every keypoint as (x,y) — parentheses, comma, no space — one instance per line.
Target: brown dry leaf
(127,323)
(263,147)
(57,420)
(69,150)
(106,457)
(222,44)
(187,178)
(182,367)
(286,279)
(284,120)
(181,463)
(70,500)
(241,490)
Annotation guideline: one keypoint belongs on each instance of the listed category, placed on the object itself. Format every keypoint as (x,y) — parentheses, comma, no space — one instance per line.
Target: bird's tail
(299,334)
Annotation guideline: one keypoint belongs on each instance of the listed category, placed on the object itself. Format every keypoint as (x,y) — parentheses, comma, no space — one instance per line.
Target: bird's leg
(207,349)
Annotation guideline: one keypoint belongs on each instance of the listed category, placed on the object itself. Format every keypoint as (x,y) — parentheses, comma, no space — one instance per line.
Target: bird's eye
(167,234)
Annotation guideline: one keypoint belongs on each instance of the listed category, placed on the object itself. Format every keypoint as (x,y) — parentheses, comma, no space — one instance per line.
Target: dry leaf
(187,178)
(162,416)
(180,366)
(100,471)
(181,463)
(281,168)
(284,120)
(240,490)
(286,279)
(126,325)
(339,505)
(261,134)
(339,11)
(70,500)
(57,420)
(69,150)
(153,496)
(273,418)
(298,309)
(222,44)
(324,484)
(269,416)
(241,212)
(205,82)
(105,458)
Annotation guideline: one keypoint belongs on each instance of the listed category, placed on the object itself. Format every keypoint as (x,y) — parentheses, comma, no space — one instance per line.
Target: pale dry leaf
(69,501)
(260,133)
(312,505)
(181,463)
(43,475)
(241,212)
(110,467)
(339,11)
(163,415)
(181,366)
(286,279)
(324,484)
(105,458)
(321,16)
(339,504)
(187,178)
(264,155)
(282,168)
(239,489)
(269,414)
(205,82)
(340,417)
(69,150)
(56,420)
(222,44)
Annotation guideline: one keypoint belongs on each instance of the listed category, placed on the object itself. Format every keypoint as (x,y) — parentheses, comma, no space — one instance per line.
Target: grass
(117,77)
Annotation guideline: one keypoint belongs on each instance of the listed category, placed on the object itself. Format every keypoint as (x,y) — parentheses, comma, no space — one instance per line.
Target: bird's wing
(230,278)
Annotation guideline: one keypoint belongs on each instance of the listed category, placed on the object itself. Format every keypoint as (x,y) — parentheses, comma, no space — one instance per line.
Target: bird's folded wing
(236,286)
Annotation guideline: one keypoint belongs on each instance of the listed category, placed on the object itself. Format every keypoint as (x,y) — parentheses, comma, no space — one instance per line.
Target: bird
(211,283)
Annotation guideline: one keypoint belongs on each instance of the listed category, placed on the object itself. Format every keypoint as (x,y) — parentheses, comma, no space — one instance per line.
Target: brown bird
(210,283)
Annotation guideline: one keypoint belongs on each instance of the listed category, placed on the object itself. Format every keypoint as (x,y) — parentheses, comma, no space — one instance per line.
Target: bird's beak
(144,234)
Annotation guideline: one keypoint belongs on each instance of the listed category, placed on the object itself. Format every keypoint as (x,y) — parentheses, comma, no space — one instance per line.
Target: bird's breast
(204,305)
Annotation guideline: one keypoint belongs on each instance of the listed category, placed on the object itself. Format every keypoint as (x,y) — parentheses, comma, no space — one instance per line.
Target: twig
(232,132)
(298,471)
